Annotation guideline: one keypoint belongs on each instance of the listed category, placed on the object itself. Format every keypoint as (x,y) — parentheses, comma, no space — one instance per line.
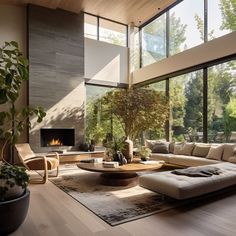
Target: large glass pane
(100,124)
(222,102)
(90,26)
(160,133)
(186,25)
(221,17)
(154,41)
(112,32)
(186,113)
(136,60)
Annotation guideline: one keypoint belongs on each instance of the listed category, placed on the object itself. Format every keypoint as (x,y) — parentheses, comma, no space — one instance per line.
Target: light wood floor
(53,212)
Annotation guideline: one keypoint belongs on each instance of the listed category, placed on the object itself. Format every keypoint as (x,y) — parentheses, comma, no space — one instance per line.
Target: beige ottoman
(183,187)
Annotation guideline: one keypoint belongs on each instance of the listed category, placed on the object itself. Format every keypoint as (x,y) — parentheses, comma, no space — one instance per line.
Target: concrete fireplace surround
(56,62)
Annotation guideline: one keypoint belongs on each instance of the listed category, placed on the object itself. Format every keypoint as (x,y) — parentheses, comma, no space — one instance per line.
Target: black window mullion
(205,105)
(167,124)
(140,49)
(205,21)
(98,28)
(167,34)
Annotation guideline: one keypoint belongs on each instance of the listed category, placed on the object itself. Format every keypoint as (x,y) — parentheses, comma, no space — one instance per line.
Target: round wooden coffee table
(122,175)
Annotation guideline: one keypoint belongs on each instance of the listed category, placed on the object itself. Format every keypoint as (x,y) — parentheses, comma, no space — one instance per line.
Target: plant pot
(13,213)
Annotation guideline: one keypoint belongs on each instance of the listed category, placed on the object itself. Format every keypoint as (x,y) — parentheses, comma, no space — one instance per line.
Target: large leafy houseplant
(13,179)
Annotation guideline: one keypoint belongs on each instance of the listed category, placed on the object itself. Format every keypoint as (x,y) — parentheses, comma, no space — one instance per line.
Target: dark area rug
(114,205)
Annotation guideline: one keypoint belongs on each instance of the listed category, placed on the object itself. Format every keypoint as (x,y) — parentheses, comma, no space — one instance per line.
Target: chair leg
(57,171)
(45,176)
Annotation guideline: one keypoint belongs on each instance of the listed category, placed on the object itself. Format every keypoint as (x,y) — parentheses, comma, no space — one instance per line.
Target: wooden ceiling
(125,11)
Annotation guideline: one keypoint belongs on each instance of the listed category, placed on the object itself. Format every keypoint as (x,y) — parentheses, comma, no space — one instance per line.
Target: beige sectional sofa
(193,155)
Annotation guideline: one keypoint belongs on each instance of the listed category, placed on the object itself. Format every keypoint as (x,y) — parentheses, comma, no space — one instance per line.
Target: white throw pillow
(215,152)
(228,151)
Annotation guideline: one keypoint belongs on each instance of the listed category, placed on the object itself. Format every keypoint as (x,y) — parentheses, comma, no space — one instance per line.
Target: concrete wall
(13,28)
(56,62)
(212,50)
(105,62)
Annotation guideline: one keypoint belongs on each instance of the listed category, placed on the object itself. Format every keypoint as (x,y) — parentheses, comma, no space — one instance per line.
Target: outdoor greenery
(186,91)
(128,112)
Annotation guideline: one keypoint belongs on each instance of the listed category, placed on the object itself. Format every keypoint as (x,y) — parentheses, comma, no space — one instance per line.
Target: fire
(55,142)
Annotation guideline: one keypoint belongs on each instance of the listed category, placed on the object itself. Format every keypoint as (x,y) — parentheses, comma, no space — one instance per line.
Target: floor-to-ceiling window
(186,101)
(111,32)
(222,102)
(221,17)
(156,133)
(186,25)
(105,30)
(154,41)
(100,124)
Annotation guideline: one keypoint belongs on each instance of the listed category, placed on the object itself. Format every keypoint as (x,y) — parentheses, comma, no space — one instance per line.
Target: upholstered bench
(183,187)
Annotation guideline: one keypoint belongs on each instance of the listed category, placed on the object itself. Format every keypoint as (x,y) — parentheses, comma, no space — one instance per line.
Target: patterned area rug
(114,205)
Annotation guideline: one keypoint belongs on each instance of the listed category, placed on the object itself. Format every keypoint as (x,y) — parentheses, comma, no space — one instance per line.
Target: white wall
(13,28)
(217,48)
(13,25)
(105,62)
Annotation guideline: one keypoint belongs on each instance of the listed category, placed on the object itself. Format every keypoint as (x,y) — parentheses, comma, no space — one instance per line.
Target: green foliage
(228,9)
(114,145)
(194,102)
(230,116)
(137,109)
(13,71)
(144,151)
(14,175)
(177,34)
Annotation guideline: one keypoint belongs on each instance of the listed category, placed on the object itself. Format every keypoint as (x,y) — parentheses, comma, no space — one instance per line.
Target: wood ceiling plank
(124,11)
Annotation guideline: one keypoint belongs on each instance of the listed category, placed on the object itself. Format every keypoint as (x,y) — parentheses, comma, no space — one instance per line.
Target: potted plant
(14,196)
(115,147)
(144,153)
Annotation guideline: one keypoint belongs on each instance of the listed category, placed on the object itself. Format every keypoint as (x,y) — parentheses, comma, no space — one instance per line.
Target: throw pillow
(228,151)
(215,152)
(150,143)
(161,147)
(186,149)
(232,159)
(177,148)
(201,150)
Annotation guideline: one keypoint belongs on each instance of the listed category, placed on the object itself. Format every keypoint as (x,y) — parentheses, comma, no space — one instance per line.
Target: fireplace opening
(51,137)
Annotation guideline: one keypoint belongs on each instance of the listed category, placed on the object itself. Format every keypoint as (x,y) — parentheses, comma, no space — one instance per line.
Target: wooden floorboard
(53,212)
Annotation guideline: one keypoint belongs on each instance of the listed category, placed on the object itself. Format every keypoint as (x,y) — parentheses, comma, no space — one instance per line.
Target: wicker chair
(36,161)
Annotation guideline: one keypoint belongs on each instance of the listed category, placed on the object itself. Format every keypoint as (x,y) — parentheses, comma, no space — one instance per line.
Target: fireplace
(51,137)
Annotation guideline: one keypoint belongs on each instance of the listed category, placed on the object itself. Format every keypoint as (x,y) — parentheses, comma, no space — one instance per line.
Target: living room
(80,50)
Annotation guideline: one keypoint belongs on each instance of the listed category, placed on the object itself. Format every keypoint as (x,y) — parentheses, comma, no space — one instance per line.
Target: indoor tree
(137,109)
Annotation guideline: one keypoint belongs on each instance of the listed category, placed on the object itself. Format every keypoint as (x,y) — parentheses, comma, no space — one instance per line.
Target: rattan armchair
(37,161)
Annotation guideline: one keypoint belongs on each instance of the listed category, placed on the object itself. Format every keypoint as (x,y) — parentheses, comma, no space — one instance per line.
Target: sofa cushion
(161,147)
(161,157)
(186,149)
(201,150)
(228,151)
(183,187)
(232,159)
(183,160)
(171,147)
(215,152)
(177,148)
